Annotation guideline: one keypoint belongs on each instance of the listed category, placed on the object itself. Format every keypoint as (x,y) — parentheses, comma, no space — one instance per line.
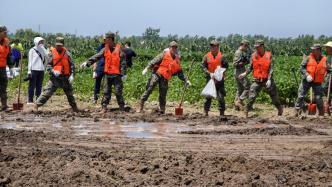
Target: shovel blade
(179,111)
(312,109)
(17,106)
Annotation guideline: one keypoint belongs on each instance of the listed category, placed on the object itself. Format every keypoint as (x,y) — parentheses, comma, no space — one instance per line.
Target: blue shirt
(101,63)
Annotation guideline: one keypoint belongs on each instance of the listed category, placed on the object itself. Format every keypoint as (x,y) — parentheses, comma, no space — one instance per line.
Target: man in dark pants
(314,69)
(168,65)
(98,74)
(61,68)
(129,54)
(211,61)
(114,70)
(5,59)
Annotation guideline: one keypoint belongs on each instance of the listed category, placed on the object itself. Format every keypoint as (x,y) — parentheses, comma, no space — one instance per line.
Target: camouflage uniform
(305,86)
(258,85)
(220,87)
(240,60)
(3,76)
(111,79)
(54,83)
(326,81)
(161,81)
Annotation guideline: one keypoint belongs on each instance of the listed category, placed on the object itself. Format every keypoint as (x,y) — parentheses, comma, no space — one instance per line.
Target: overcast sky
(277,18)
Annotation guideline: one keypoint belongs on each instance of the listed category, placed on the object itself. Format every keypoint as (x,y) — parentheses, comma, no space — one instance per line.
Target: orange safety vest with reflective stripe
(261,65)
(169,66)
(213,62)
(4,52)
(317,70)
(112,60)
(61,62)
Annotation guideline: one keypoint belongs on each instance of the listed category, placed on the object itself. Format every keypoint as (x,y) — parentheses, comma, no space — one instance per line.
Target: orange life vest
(317,70)
(213,62)
(169,66)
(112,60)
(4,52)
(61,62)
(261,65)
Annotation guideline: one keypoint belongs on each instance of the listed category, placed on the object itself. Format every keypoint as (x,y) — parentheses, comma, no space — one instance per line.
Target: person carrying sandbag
(214,66)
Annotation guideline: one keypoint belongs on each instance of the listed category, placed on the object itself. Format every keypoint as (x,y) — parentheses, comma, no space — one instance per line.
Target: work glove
(71,79)
(242,75)
(211,75)
(84,65)
(94,75)
(309,78)
(55,73)
(145,71)
(124,77)
(268,83)
(188,83)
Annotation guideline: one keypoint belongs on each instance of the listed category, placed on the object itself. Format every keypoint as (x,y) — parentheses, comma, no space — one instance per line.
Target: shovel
(19,105)
(179,109)
(312,108)
(327,103)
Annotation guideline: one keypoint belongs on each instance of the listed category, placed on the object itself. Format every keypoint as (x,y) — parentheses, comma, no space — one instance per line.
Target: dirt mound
(271,131)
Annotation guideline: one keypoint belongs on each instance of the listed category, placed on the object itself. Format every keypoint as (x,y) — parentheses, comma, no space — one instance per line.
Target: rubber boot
(4,105)
(75,109)
(104,109)
(162,109)
(321,111)
(206,113)
(222,115)
(122,108)
(280,110)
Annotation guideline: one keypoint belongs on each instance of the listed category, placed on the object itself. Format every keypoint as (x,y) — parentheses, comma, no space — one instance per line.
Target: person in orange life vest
(169,65)
(114,69)
(211,61)
(314,68)
(262,67)
(5,60)
(61,68)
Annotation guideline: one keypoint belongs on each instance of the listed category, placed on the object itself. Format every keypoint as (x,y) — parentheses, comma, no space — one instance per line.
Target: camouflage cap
(259,43)
(244,41)
(59,41)
(328,44)
(3,28)
(173,44)
(214,42)
(316,46)
(109,35)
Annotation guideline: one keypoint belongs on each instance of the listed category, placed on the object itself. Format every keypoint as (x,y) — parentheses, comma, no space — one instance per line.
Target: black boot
(222,116)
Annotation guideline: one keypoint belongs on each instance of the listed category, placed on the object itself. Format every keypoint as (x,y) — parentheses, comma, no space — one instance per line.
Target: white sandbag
(209,90)
(219,73)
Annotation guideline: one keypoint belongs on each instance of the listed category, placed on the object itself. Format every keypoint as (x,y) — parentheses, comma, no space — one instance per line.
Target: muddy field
(55,147)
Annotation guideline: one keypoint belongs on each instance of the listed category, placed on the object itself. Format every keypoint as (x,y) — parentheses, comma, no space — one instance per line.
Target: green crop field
(287,55)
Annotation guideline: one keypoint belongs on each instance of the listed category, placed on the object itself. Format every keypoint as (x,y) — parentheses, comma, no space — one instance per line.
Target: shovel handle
(185,85)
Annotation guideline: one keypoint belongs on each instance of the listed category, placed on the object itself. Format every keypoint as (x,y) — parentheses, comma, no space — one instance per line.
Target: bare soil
(55,147)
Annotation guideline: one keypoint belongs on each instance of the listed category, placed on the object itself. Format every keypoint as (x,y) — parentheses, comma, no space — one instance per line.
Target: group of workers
(111,62)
